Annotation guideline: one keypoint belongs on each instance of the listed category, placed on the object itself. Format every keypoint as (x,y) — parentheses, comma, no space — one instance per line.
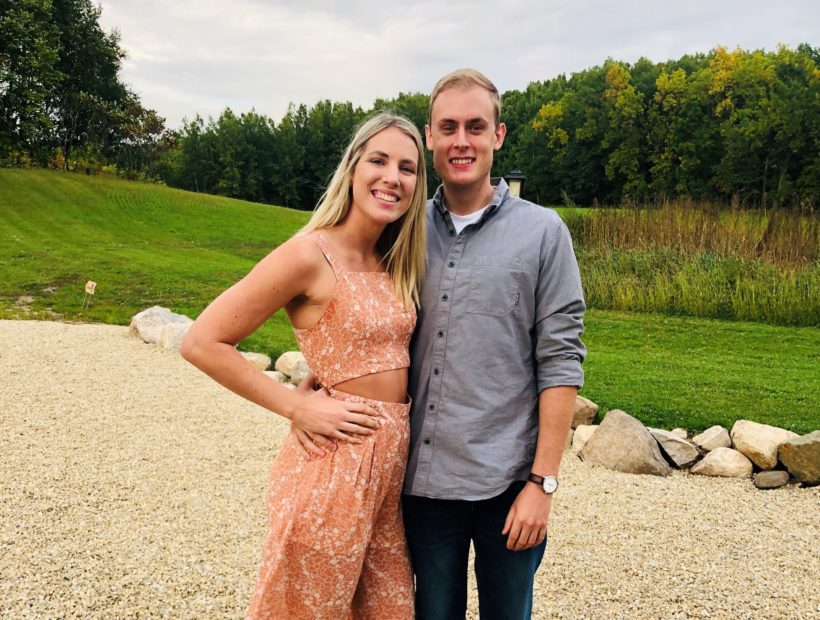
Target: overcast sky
(199,56)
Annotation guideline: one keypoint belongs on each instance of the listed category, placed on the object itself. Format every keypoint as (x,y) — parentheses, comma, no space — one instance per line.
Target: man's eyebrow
(477,119)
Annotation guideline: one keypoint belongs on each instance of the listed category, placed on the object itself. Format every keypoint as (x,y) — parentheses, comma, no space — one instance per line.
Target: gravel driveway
(131,486)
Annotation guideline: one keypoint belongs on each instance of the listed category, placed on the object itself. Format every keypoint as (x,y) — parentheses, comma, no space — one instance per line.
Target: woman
(349,282)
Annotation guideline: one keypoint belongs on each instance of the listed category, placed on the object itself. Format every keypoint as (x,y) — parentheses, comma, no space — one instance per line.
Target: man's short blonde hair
(465,78)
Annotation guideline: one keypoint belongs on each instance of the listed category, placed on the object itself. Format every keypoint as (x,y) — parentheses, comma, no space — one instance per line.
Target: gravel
(132,487)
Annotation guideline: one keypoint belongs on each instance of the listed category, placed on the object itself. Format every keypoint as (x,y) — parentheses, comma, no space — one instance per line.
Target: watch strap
(539,480)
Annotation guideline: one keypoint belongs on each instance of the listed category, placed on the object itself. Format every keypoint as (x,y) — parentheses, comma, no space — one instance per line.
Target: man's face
(462,135)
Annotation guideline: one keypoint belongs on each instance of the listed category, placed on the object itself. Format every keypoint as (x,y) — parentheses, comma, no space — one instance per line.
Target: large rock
(581,437)
(801,456)
(680,432)
(151,323)
(680,452)
(277,376)
(172,334)
(771,479)
(584,412)
(622,443)
(724,462)
(711,438)
(259,360)
(759,442)
(300,372)
(287,362)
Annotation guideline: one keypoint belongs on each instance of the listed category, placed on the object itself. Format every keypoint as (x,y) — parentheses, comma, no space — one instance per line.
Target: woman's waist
(384,390)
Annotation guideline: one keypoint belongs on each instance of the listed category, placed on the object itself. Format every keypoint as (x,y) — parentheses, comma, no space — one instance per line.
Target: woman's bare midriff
(388,386)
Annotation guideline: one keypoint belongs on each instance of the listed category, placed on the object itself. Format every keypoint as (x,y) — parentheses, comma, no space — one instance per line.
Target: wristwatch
(548,484)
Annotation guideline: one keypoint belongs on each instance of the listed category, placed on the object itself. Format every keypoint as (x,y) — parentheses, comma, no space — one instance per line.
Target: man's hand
(526,522)
(315,442)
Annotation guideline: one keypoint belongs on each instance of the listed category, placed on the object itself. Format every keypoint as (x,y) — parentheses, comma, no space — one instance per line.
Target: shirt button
(441,334)
(435,371)
(432,407)
(426,442)
(451,264)
(444,297)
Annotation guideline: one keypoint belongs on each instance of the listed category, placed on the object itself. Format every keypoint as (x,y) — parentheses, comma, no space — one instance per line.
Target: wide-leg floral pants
(335,547)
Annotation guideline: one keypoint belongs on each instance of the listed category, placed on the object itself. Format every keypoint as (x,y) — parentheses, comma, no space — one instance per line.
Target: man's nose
(461,137)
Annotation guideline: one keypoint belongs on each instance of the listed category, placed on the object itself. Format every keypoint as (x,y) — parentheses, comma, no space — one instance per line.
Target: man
(496,363)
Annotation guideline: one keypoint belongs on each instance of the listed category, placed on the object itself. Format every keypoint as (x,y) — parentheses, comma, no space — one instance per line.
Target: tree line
(726,126)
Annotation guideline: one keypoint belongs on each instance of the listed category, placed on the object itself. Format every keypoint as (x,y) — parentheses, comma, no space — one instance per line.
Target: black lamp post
(515,180)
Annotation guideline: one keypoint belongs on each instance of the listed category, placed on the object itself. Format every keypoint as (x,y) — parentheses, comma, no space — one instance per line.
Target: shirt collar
(501,193)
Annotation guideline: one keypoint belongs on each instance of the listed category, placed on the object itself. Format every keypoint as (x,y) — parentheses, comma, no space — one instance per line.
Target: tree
(28,74)
(89,88)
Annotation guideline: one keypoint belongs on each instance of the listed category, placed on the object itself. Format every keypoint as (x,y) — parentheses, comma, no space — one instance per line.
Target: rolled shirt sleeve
(559,312)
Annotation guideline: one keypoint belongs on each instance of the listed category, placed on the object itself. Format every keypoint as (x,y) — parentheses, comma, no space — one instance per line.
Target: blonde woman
(349,282)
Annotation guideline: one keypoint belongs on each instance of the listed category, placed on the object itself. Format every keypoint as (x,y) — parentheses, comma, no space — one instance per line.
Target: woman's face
(384,179)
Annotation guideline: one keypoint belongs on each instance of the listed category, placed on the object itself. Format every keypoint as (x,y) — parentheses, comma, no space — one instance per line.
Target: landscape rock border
(620,442)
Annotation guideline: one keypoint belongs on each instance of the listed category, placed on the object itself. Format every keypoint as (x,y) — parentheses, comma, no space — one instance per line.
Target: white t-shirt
(460,222)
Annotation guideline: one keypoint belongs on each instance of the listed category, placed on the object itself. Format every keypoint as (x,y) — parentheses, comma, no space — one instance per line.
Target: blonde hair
(465,78)
(403,244)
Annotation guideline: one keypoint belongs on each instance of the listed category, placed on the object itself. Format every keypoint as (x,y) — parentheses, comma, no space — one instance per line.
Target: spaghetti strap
(321,241)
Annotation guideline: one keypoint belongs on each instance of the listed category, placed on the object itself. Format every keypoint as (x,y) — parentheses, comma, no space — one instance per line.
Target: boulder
(150,323)
(259,360)
(759,442)
(287,362)
(299,372)
(277,376)
(680,432)
(679,452)
(622,443)
(772,479)
(724,462)
(171,334)
(584,412)
(581,436)
(714,437)
(801,456)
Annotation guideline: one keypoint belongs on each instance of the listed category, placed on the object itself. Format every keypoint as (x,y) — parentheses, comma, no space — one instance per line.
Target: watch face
(550,484)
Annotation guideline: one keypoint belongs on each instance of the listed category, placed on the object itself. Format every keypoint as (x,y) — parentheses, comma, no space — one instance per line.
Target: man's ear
(428,137)
(500,133)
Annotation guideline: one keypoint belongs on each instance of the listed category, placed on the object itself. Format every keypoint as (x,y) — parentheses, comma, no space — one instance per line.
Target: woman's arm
(210,345)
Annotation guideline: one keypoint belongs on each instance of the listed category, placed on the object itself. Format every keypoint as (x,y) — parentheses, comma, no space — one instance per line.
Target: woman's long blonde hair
(403,244)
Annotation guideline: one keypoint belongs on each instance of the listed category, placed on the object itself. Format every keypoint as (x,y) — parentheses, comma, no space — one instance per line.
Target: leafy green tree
(624,137)
(28,74)
(89,88)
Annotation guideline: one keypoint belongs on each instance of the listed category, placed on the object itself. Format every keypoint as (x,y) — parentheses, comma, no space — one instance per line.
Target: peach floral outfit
(335,545)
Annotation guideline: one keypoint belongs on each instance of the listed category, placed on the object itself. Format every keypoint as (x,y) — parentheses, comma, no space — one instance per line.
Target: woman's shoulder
(301,253)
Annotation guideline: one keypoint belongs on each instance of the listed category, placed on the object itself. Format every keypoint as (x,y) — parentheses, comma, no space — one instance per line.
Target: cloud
(188,57)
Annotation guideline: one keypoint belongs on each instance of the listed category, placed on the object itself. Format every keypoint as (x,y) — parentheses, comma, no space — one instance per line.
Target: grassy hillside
(146,244)
(143,245)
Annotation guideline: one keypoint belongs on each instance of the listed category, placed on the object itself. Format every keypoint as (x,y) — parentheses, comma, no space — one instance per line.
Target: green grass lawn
(147,244)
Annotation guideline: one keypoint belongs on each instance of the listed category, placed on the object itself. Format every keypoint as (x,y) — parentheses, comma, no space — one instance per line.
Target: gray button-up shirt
(501,319)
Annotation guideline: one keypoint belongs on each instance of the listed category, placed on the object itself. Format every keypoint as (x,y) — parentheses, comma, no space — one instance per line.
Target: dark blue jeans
(439,532)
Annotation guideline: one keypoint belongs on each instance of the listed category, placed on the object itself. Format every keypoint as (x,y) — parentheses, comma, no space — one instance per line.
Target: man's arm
(527,520)
(558,353)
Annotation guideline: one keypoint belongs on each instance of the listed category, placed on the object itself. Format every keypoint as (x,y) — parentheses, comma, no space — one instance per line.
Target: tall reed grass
(695,259)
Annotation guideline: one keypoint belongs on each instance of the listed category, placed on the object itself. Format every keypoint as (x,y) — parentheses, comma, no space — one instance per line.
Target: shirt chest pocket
(494,285)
